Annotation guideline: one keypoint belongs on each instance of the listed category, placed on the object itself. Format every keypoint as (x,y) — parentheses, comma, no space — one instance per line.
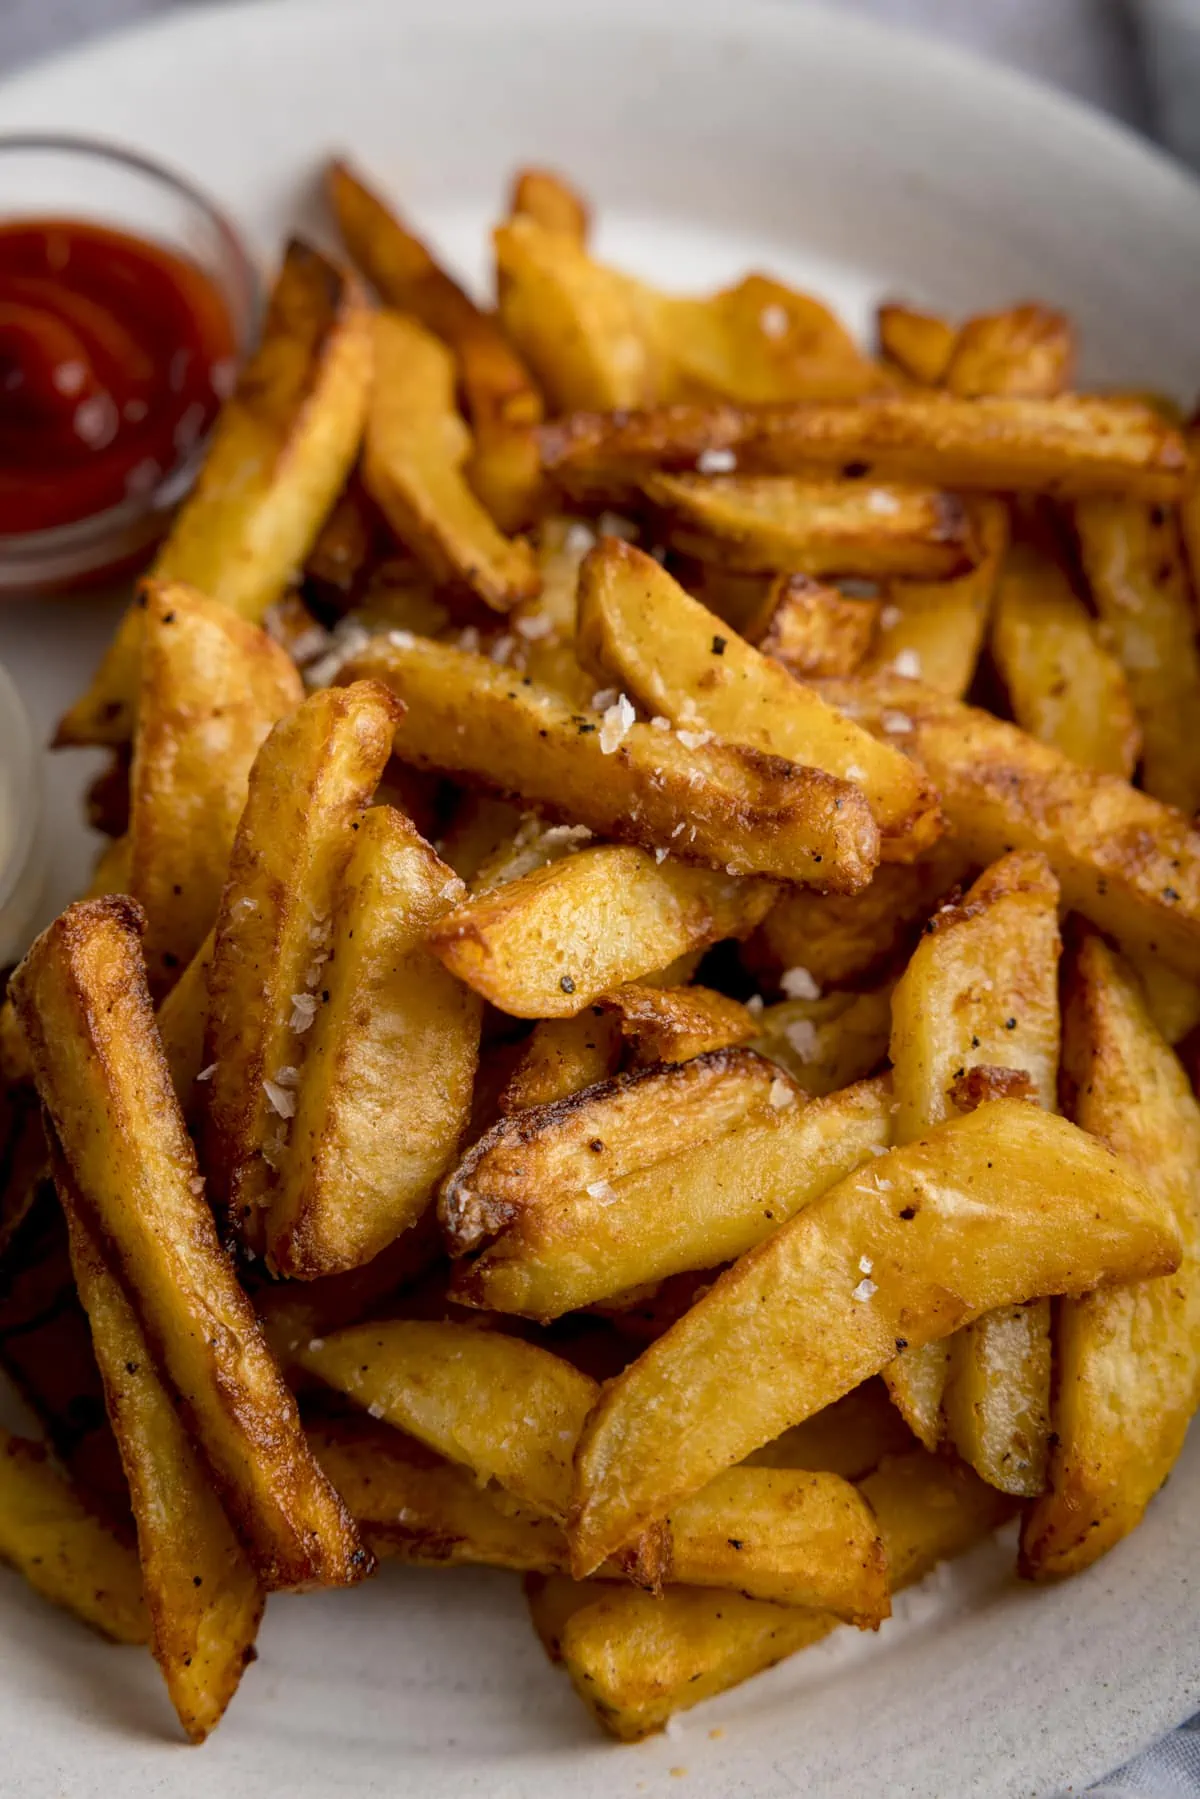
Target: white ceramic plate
(711,138)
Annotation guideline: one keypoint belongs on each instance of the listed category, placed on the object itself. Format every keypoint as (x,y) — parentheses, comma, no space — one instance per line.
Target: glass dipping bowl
(79,179)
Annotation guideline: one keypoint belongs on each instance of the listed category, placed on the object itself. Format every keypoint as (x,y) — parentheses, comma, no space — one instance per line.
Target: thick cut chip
(64,1552)
(647,1176)
(103,1081)
(561,1056)
(673,1024)
(551,202)
(552,942)
(212,686)
(637,624)
(764,523)
(813,630)
(733,806)
(1133,557)
(506,1409)
(204,1599)
(182,1024)
(389,1045)
(280,452)
(1128,1361)
(1064,687)
(1125,861)
(992,1209)
(919,344)
(850,1437)
(1074,445)
(826,1042)
(309,785)
(413,455)
(1027,352)
(936,629)
(759,341)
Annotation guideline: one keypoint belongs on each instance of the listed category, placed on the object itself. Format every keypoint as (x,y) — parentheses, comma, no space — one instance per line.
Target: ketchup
(115,354)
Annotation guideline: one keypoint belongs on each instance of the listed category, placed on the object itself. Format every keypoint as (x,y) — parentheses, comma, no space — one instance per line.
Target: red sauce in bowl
(115,354)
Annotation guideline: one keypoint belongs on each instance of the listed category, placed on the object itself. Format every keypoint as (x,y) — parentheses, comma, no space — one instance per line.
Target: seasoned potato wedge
(103,1080)
(673,1024)
(637,624)
(813,630)
(826,1043)
(989,1210)
(203,1596)
(850,1437)
(722,803)
(389,1047)
(1129,1359)
(759,341)
(281,450)
(1026,352)
(560,1056)
(1125,861)
(635,1659)
(1074,445)
(1064,687)
(414,449)
(309,785)
(551,202)
(64,1552)
(551,943)
(696,1163)
(937,628)
(919,344)
(1133,557)
(766,523)
(509,1410)
(212,686)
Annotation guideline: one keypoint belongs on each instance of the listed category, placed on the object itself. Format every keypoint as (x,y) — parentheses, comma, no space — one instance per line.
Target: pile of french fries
(627,1025)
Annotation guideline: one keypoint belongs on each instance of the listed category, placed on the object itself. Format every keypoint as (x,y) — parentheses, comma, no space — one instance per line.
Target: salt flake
(281,1099)
(865,1264)
(802,1035)
(782,1094)
(773,321)
(864,1289)
(898,723)
(615,726)
(206,1074)
(798,983)
(716,462)
(882,503)
(908,664)
(603,1190)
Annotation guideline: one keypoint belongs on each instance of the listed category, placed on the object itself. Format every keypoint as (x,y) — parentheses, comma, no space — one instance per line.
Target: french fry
(281,450)
(1125,861)
(103,1080)
(839,938)
(294,1312)
(939,627)
(990,1210)
(106,801)
(763,523)
(635,1659)
(1026,352)
(673,1024)
(549,944)
(348,545)
(813,630)
(1071,446)
(561,1056)
(1134,561)
(1174,1003)
(850,1437)
(919,344)
(508,1410)
(714,802)
(1128,1361)
(65,1553)
(310,782)
(182,1024)
(760,341)
(1064,687)
(696,1163)
(204,1600)
(414,449)
(113,872)
(637,624)
(828,1042)
(212,686)
(363,1154)
(551,202)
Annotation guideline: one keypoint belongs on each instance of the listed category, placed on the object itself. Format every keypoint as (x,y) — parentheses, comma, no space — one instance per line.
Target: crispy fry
(1133,558)
(204,1600)
(850,1437)
(938,627)
(760,341)
(673,1024)
(826,1043)
(182,1023)
(312,778)
(212,686)
(1026,352)
(551,202)
(1064,687)
(551,943)
(696,1163)
(106,802)
(992,1209)
(1128,1360)
(742,810)
(413,453)
(67,1555)
(364,1152)
(113,872)
(281,449)
(813,630)
(638,624)
(1074,445)
(1125,861)
(764,523)
(103,1079)
(506,1409)
(561,1056)
(919,344)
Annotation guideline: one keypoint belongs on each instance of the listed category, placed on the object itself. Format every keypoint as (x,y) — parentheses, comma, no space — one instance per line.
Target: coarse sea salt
(694,740)
(659,723)
(615,726)
(281,1099)
(798,983)
(403,640)
(304,1010)
(538,624)
(782,1094)
(864,1289)
(601,1190)
(773,321)
(755,1004)
(206,1074)
(802,1035)
(865,1264)
(908,664)
(579,538)
(716,462)
(890,617)
(604,697)
(882,503)
(899,724)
